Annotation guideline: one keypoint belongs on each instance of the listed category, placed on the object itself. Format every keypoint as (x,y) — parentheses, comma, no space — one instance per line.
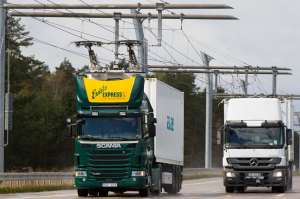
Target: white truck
(257,146)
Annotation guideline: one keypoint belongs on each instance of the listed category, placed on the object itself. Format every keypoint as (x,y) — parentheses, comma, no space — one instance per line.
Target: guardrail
(36,179)
(13,180)
(36,176)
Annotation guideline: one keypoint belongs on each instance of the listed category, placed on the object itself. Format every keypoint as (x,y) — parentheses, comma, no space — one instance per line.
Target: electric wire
(64,49)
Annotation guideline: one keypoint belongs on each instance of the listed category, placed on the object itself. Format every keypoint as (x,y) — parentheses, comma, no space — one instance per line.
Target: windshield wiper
(90,137)
(118,138)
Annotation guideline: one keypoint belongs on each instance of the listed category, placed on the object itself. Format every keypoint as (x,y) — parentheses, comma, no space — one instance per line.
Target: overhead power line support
(160,8)
(223,72)
(274,85)
(246,83)
(222,95)
(142,49)
(124,15)
(248,68)
(117,18)
(2,79)
(208,119)
(116,6)
(216,80)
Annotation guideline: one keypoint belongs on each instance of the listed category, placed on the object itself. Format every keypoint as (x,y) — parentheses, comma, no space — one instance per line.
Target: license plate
(109,185)
(254,175)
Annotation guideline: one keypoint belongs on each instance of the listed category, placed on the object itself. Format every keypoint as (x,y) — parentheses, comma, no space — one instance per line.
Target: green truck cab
(114,134)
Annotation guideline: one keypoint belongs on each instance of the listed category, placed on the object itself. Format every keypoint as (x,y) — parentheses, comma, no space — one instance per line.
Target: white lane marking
(48,196)
(280,195)
(198,183)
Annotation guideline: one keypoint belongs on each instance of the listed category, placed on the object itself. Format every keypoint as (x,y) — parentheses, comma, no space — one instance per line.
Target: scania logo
(253,162)
(108,145)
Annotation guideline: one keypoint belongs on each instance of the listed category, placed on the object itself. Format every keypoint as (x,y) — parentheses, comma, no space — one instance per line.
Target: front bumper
(264,179)
(126,184)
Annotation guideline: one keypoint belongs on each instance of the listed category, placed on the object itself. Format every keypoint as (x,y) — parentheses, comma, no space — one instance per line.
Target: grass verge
(33,188)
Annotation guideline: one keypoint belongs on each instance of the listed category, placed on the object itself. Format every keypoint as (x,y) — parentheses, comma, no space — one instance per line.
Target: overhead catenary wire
(90,21)
(165,49)
(66,50)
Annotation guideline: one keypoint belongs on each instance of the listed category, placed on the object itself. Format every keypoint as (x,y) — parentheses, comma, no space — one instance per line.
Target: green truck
(128,135)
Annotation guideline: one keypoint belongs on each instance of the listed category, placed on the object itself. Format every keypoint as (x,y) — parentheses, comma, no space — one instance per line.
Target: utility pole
(208,119)
(117,18)
(245,83)
(274,85)
(2,80)
(142,49)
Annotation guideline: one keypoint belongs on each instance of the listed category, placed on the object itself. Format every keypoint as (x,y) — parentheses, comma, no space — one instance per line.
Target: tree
(42,102)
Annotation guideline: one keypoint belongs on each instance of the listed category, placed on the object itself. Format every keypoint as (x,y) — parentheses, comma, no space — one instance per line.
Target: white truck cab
(258,143)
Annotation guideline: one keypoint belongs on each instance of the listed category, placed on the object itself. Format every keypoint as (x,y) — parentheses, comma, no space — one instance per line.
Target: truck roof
(252,109)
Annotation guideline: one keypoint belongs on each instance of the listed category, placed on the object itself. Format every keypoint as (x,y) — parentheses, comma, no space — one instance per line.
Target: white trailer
(258,143)
(168,107)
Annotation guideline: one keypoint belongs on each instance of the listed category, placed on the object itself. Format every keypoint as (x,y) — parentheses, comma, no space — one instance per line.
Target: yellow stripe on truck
(110,91)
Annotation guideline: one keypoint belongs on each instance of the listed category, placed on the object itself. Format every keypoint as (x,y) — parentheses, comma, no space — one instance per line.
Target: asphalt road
(203,188)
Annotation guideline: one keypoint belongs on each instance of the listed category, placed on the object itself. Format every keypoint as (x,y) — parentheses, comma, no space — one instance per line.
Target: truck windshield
(112,128)
(254,137)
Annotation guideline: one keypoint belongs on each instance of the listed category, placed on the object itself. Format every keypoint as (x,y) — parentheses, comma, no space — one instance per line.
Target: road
(203,188)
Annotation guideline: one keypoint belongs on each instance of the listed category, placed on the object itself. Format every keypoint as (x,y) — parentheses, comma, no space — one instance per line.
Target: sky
(266,34)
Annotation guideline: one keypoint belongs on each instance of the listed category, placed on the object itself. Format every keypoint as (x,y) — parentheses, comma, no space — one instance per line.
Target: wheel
(144,192)
(280,189)
(229,189)
(175,187)
(82,192)
(93,192)
(103,193)
(241,189)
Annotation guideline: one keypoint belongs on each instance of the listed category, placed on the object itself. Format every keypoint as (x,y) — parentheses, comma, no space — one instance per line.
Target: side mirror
(72,128)
(153,120)
(152,130)
(289,136)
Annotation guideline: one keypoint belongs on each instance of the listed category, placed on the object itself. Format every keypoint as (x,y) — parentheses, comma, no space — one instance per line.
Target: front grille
(253,163)
(109,164)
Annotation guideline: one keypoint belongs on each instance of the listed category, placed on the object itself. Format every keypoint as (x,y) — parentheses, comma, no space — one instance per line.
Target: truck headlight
(230,174)
(277,174)
(80,173)
(138,173)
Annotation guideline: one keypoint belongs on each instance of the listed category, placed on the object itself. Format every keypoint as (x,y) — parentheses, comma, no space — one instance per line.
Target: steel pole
(138,26)
(117,6)
(274,85)
(208,118)
(2,80)
(248,68)
(124,15)
(246,83)
(117,18)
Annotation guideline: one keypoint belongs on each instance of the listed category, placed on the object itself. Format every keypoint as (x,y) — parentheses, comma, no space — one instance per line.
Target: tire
(240,189)
(174,188)
(280,189)
(144,192)
(229,189)
(103,193)
(93,192)
(82,192)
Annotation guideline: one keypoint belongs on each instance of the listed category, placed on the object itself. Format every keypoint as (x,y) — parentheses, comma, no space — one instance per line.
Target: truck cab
(257,144)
